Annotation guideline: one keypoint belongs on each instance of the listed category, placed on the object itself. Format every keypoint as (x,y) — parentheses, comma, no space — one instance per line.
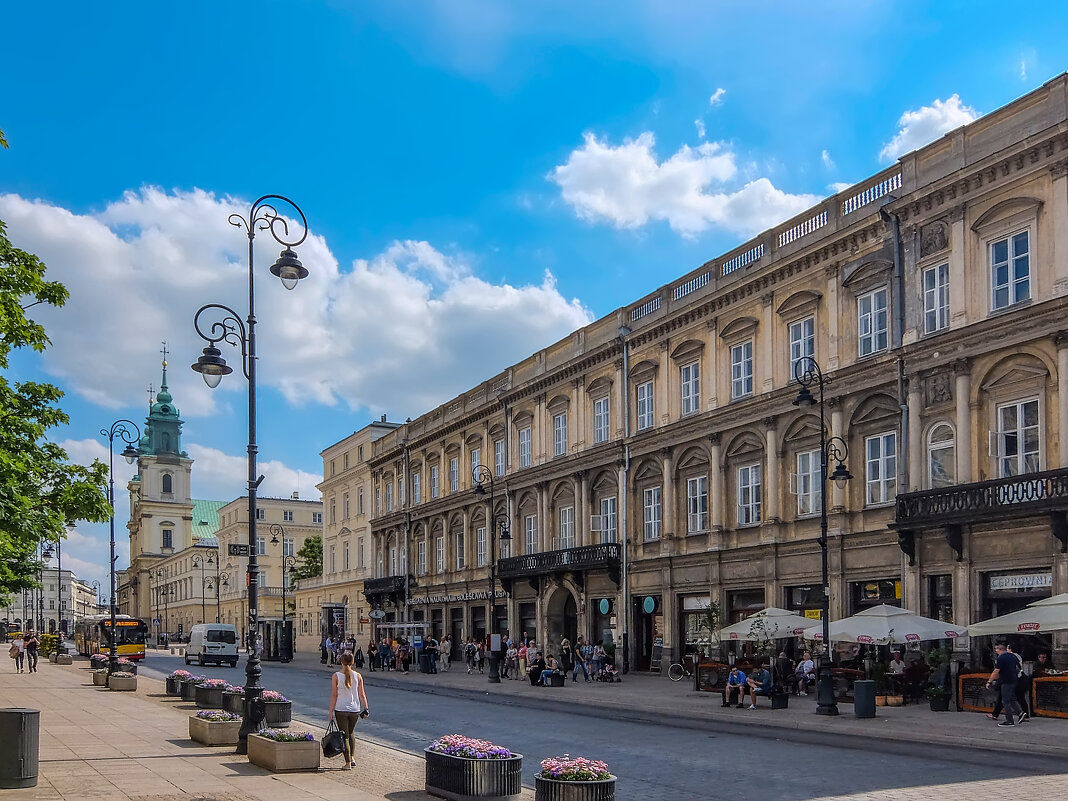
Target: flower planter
(278,714)
(234,702)
(895,700)
(283,757)
(556,790)
(939,704)
(64,659)
(125,684)
(97,662)
(208,697)
(880,700)
(189,691)
(172,687)
(462,778)
(100,678)
(214,732)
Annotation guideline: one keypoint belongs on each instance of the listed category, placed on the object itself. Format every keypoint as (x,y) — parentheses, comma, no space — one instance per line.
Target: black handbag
(333,741)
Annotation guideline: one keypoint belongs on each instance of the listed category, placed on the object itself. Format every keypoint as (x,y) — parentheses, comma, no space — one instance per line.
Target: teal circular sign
(649,604)
(605,606)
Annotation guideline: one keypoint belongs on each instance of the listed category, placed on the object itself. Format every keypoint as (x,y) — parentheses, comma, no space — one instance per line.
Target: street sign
(155,621)
(237,549)
(377,614)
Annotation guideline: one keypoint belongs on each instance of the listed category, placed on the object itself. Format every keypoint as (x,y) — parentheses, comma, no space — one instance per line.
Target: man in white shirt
(806,673)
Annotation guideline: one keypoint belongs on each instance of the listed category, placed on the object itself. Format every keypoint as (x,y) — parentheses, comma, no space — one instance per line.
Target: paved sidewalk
(110,746)
(651,697)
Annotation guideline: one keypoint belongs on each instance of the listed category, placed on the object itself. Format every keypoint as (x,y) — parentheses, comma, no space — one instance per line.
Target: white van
(212,642)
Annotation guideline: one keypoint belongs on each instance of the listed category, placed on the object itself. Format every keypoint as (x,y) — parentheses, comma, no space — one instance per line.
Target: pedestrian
(522,653)
(580,661)
(1006,676)
(32,643)
(348,703)
(372,654)
(598,657)
(324,649)
(480,655)
(469,655)
(18,653)
(444,653)
(402,655)
(511,665)
(567,657)
(1021,691)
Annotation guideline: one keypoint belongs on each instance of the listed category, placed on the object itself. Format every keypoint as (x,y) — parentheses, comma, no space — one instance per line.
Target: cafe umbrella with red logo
(767,624)
(887,625)
(1049,614)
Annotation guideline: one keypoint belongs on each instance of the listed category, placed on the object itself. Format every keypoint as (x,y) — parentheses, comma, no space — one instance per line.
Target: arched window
(941,457)
(167,484)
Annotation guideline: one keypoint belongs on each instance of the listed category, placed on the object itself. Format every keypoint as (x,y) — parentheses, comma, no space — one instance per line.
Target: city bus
(91,636)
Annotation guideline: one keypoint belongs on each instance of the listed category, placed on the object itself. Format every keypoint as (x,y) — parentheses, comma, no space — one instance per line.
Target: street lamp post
(198,561)
(230,329)
(129,433)
(483,475)
(807,373)
(278,534)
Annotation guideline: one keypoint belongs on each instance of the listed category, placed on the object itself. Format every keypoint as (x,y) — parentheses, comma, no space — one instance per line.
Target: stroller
(608,673)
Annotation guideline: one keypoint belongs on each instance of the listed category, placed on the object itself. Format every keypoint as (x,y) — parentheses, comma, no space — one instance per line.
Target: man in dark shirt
(1006,674)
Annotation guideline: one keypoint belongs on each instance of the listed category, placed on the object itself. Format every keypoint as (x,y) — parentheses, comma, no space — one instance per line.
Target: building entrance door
(457,629)
(561,621)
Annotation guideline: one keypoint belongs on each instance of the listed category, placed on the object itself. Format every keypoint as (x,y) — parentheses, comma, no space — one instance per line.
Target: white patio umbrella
(767,624)
(1049,614)
(883,625)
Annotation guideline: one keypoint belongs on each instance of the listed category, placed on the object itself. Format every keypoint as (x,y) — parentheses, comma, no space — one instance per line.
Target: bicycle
(677,671)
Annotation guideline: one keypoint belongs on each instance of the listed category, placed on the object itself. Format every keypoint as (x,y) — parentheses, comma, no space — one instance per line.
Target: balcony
(387,585)
(604,556)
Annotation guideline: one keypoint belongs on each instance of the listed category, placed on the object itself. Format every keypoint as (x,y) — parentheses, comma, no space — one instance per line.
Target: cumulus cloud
(838,186)
(138,270)
(717,97)
(628,186)
(922,126)
(219,475)
(828,162)
(699,124)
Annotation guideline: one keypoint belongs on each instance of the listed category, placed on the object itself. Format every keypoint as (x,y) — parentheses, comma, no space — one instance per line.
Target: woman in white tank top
(348,703)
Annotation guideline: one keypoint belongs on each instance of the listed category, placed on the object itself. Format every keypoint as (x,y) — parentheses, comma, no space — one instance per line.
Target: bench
(556,680)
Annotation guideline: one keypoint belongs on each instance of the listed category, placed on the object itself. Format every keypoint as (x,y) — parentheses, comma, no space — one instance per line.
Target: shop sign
(649,604)
(604,606)
(813,614)
(481,595)
(1026,581)
(696,603)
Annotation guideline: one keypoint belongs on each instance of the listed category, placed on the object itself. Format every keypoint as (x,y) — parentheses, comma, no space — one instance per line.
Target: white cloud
(717,97)
(699,124)
(224,477)
(627,185)
(922,126)
(838,186)
(138,270)
(828,162)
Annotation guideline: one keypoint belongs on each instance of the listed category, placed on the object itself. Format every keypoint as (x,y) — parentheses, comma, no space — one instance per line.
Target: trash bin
(864,699)
(18,761)
(424,663)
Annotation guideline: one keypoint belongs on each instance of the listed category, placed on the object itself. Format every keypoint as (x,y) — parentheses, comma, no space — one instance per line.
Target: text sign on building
(237,549)
(1029,581)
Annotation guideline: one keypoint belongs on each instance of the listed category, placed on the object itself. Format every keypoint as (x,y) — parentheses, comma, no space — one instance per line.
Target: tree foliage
(40,491)
(309,559)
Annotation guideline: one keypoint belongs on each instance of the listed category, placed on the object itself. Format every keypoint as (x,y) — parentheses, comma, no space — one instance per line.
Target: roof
(206,518)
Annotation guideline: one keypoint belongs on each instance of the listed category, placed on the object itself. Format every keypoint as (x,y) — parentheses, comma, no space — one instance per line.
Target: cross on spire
(151,395)
(164,351)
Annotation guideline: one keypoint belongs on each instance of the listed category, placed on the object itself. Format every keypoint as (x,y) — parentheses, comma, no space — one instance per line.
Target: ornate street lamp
(229,328)
(483,475)
(807,373)
(278,534)
(129,433)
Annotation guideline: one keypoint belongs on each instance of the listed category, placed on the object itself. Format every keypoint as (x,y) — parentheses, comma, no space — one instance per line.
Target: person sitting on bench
(537,665)
(734,692)
(759,683)
(552,668)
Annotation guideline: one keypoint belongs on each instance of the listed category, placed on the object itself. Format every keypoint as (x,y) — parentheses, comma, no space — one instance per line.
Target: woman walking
(348,703)
(18,653)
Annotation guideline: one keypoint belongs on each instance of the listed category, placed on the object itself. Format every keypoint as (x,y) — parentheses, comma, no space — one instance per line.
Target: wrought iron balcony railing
(383,586)
(1003,498)
(588,557)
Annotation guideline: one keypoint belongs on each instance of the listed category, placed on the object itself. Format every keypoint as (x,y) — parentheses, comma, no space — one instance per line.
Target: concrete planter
(64,659)
(97,662)
(895,700)
(52,657)
(209,697)
(126,684)
(234,702)
(283,757)
(100,678)
(460,778)
(214,732)
(278,714)
(172,687)
(189,691)
(555,790)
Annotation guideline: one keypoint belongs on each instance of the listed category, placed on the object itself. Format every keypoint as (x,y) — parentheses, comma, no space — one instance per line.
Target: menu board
(657,658)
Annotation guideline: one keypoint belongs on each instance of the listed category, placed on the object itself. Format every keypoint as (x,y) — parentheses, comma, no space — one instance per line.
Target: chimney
(383,418)
(295,496)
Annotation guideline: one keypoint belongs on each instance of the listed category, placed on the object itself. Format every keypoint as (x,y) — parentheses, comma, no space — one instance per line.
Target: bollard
(864,699)
(20,731)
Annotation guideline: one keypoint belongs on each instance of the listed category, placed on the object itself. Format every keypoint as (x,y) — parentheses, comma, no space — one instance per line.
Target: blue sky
(479,178)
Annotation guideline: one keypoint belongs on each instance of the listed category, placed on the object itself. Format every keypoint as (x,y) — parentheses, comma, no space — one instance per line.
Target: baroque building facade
(654,461)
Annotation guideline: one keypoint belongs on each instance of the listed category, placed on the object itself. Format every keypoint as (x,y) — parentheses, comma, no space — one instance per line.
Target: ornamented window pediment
(527,502)
(1013,207)
(496,431)
(867,275)
(452,449)
(474,441)
(692,458)
(799,303)
(645,370)
(805,427)
(745,444)
(604,481)
(876,409)
(563,492)
(648,469)
(688,351)
(739,327)
(1014,371)
(559,403)
(522,418)
(599,386)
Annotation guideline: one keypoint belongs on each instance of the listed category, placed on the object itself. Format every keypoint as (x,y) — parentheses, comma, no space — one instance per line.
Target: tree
(40,491)
(309,559)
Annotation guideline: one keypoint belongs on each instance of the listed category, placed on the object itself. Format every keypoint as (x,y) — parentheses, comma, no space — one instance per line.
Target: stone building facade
(654,460)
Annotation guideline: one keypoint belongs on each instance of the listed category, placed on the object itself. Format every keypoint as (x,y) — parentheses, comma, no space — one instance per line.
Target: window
(333,467)
(498,457)
(168,538)
(168,485)
(379,569)
(476,459)
(935,298)
(345,506)
(690,377)
(359,501)
(560,434)
(645,405)
(880,454)
(417,495)
(524,447)
(530,531)
(940,597)
(420,558)
(434,484)
(600,420)
(749,495)
(651,505)
(345,556)
(1017,438)
(289,546)
(807,482)
(360,561)
(378,500)
(802,342)
(941,457)
(359,453)
(567,528)
(608,519)
(459,544)
(697,504)
(454,474)
(346,466)
(439,555)
(1010,271)
(480,546)
(261,514)
(742,369)
(389,497)
(393,571)
(872,322)
(261,546)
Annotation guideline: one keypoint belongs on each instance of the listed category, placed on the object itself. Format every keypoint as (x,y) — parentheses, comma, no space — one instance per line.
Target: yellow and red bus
(91,636)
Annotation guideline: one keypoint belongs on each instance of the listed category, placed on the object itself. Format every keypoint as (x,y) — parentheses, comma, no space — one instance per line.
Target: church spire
(164,395)
(163,428)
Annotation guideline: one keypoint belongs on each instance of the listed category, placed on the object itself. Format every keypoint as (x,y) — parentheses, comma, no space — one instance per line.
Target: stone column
(830,324)
(544,523)
(716,469)
(838,494)
(915,477)
(1059,212)
(668,512)
(712,382)
(958,282)
(962,397)
(766,339)
(771,496)
(1061,341)
(583,536)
